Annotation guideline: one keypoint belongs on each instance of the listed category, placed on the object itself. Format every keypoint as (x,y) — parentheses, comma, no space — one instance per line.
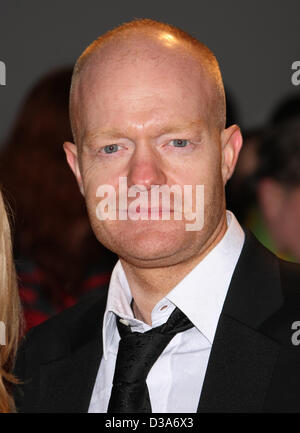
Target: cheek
(207,172)
(214,194)
(204,166)
(91,180)
(94,174)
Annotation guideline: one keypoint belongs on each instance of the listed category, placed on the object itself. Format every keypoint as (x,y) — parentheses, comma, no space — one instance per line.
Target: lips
(155,213)
(149,212)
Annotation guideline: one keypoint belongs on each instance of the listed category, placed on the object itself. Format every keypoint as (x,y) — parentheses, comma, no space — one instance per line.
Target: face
(150,121)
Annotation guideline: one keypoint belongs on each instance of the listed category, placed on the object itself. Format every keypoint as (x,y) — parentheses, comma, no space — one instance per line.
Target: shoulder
(290,277)
(281,324)
(290,284)
(256,257)
(54,336)
(270,288)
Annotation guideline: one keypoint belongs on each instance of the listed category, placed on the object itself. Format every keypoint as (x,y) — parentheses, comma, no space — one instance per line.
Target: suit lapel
(242,357)
(239,369)
(67,381)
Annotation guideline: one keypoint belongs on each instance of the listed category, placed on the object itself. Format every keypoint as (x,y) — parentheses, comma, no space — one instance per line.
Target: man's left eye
(110,148)
(178,142)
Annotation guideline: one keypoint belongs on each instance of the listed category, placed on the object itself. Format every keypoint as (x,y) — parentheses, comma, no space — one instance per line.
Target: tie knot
(177,322)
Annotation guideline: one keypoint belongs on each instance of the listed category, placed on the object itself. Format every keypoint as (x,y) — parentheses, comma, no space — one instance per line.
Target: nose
(146,167)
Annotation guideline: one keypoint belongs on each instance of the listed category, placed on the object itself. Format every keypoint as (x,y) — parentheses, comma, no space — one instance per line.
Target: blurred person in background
(57,255)
(276,222)
(10,314)
(263,192)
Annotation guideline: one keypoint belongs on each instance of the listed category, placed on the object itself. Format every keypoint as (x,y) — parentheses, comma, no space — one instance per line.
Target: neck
(149,285)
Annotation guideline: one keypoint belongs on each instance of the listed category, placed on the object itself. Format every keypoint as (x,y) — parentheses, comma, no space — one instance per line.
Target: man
(277,216)
(147,105)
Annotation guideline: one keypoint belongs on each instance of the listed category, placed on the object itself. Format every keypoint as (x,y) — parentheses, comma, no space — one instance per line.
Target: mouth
(148,212)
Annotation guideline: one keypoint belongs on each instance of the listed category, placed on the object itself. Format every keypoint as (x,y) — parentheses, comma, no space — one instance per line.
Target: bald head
(150,41)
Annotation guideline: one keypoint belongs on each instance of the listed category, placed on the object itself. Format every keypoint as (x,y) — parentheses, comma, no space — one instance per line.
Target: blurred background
(254,41)
(256,44)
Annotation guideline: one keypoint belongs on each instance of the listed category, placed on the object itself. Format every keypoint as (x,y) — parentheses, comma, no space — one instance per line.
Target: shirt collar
(118,303)
(206,285)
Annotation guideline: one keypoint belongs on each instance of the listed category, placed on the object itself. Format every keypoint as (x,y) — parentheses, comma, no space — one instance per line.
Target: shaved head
(147,104)
(149,40)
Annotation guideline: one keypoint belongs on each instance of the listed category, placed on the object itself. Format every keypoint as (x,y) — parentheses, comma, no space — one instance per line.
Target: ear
(231,140)
(72,158)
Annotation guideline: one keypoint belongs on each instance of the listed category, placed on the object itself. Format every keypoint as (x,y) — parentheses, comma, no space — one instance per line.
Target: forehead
(144,81)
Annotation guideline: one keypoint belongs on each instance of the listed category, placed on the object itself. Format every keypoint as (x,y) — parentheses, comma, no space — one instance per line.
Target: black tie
(136,355)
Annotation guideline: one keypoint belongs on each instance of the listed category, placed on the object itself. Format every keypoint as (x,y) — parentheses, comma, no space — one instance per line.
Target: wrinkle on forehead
(159,130)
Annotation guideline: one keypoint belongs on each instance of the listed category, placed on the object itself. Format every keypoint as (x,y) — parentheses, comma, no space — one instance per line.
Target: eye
(178,142)
(110,148)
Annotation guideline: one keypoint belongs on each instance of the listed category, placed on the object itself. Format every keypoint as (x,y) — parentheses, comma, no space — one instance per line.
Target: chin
(141,243)
(160,256)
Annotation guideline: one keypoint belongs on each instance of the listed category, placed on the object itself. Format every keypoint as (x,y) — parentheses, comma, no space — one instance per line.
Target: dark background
(255,42)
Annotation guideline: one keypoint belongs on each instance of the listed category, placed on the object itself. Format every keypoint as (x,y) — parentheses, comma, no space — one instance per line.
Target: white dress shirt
(175,381)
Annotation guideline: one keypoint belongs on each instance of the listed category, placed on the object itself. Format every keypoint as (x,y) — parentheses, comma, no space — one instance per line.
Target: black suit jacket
(253,367)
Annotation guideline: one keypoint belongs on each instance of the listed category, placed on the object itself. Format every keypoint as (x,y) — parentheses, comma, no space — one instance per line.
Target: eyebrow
(164,130)
(181,127)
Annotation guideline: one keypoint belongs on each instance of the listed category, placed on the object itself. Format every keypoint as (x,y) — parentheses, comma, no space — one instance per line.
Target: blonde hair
(10,314)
